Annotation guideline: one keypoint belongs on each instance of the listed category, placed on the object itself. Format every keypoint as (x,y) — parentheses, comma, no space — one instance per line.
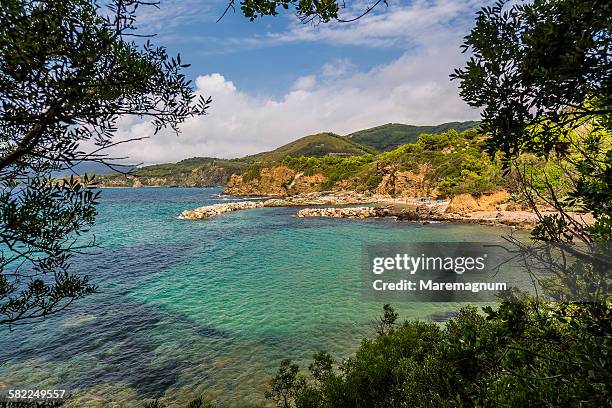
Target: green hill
(388,137)
(442,164)
(192,172)
(319,145)
(207,171)
(184,166)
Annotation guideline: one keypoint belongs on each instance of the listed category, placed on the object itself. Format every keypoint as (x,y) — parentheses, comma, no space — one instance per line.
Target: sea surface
(208,307)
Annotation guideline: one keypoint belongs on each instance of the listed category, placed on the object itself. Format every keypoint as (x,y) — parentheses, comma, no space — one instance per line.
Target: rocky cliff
(278,181)
(281,181)
(405,183)
(204,175)
(484,202)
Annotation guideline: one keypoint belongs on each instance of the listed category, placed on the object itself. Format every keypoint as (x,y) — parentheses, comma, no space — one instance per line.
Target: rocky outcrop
(485,202)
(204,213)
(321,198)
(308,199)
(272,182)
(279,181)
(346,212)
(405,183)
(306,184)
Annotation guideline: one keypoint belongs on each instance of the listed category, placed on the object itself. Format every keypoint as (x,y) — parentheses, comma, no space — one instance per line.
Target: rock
(346,212)
(306,184)
(405,183)
(204,213)
(485,202)
(279,181)
(320,198)
(433,211)
(271,182)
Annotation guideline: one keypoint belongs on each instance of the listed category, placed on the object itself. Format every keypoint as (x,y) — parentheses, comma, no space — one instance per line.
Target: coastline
(353,205)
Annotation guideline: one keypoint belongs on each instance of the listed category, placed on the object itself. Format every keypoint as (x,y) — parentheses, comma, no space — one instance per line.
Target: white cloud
(305,83)
(337,68)
(398,25)
(413,89)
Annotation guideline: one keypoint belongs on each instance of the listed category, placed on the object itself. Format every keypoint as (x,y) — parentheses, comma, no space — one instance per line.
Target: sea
(188,308)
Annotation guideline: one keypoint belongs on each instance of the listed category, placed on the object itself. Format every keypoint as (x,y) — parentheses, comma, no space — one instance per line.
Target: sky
(275,80)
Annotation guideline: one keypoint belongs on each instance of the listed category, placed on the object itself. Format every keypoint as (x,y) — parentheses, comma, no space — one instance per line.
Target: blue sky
(250,53)
(275,80)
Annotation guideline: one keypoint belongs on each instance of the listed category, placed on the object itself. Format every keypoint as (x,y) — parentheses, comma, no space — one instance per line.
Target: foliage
(308,11)
(69,70)
(252,173)
(285,385)
(592,191)
(196,171)
(523,354)
(536,64)
(541,71)
(456,161)
(335,168)
(392,135)
(319,145)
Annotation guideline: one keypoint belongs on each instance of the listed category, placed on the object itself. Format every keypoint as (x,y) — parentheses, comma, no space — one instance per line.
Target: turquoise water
(212,307)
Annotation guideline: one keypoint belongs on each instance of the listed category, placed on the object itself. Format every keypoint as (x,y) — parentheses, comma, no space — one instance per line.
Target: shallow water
(208,307)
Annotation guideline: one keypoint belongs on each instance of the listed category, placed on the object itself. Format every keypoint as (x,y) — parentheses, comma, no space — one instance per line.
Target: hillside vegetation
(436,165)
(392,135)
(193,172)
(319,145)
(341,156)
(451,163)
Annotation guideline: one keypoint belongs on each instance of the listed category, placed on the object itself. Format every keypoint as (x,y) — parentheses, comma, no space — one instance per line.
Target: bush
(509,357)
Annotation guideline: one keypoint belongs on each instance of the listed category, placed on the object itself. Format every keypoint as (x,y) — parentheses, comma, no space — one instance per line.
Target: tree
(542,74)
(506,358)
(308,11)
(284,385)
(68,71)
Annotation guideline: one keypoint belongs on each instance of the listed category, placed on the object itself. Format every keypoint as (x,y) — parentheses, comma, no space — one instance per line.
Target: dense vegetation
(516,356)
(541,73)
(68,71)
(335,153)
(392,135)
(454,162)
(193,172)
(319,145)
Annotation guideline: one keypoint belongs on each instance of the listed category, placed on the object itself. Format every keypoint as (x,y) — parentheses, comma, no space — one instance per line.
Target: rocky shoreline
(346,212)
(206,212)
(517,219)
(490,209)
(308,199)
